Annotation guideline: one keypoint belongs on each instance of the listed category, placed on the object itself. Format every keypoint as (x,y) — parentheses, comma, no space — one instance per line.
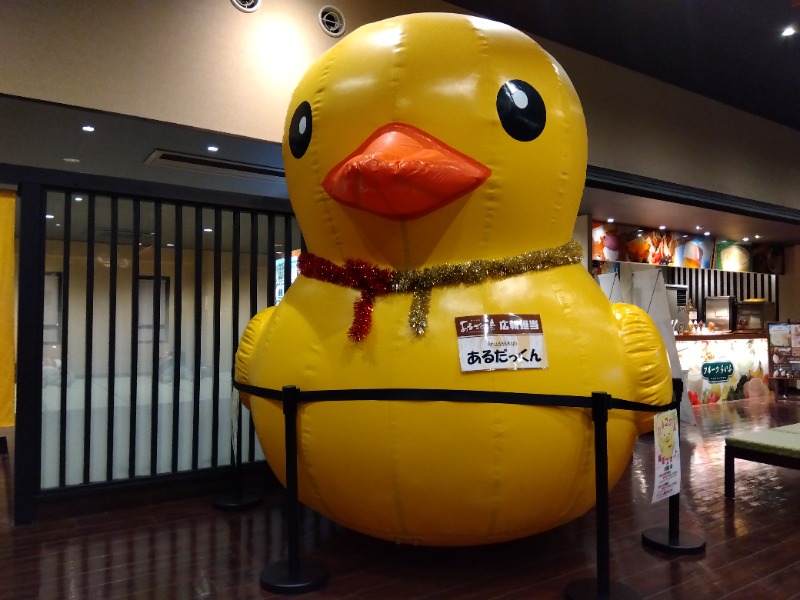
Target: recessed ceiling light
(88,128)
(610,220)
(662,227)
(49,216)
(72,160)
(78,198)
(788,31)
(208,230)
(698,227)
(758,237)
(707,233)
(213,148)
(745,239)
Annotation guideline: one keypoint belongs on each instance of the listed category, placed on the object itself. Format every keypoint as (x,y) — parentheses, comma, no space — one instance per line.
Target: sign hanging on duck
(503,341)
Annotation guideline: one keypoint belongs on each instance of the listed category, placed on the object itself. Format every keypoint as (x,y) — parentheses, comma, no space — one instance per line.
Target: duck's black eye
(300,130)
(521,110)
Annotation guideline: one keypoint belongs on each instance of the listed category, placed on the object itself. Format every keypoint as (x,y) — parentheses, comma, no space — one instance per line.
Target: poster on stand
(667,455)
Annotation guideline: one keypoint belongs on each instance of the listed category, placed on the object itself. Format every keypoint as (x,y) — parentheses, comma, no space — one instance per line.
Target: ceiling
(731,52)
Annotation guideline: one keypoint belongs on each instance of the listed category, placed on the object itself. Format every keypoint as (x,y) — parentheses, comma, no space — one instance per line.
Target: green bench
(779,446)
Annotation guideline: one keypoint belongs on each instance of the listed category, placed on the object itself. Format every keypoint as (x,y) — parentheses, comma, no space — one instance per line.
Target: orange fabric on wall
(7,350)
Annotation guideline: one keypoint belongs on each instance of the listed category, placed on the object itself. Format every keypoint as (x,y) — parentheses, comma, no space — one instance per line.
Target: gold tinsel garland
(420,282)
(373,281)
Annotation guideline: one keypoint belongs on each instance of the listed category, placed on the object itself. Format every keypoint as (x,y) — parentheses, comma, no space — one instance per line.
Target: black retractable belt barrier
(298,575)
(601,587)
(295,575)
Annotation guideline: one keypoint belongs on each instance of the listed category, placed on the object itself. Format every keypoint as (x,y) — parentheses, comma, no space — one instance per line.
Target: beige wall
(789,290)
(205,64)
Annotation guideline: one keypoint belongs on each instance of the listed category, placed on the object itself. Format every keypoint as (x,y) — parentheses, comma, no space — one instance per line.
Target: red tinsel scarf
(370,280)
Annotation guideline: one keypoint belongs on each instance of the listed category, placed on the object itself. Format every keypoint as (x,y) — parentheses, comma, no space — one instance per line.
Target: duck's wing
(247,345)
(646,361)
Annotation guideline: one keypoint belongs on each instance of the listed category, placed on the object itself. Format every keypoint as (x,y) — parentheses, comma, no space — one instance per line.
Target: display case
(753,315)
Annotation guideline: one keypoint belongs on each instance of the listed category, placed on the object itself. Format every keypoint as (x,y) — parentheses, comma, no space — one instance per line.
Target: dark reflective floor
(188,549)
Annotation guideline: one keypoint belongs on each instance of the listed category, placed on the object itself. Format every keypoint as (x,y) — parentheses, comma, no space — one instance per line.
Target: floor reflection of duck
(430,141)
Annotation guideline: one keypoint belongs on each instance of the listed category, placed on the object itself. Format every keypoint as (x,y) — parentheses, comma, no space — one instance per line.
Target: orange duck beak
(400,172)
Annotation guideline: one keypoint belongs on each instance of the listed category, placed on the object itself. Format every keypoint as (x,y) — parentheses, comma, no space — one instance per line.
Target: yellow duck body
(434,472)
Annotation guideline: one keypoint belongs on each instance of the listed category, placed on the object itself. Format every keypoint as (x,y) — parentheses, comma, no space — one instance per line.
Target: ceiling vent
(213,166)
(331,20)
(246,5)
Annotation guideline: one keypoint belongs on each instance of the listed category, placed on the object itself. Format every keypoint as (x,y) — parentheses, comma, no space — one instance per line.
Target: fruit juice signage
(717,372)
(495,342)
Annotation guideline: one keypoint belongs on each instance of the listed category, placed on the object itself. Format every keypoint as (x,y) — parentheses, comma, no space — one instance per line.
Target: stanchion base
(311,574)
(658,538)
(586,589)
(238,501)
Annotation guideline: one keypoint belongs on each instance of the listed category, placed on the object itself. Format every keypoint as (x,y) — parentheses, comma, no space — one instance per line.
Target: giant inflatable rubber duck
(435,163)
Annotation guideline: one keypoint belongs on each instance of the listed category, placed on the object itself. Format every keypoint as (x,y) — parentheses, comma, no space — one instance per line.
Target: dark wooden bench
(779,446)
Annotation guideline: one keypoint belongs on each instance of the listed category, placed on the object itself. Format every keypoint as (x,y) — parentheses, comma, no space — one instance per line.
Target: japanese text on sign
(717,372)
(507,341)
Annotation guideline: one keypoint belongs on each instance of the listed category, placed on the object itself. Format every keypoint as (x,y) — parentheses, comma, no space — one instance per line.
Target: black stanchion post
(293,575)
(600,417)
(672,539)
(238,499)
(601,587)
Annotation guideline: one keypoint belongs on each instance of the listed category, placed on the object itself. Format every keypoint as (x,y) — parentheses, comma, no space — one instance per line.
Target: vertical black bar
(271,231)
(159,290)
(112,336)
(198,322)
(87,389)
(67,233)
(28,425)
(134,335)
(251,433)
(216,337)
(287,252)
(177,355)
(235,258)
(600,405)
(253,264)
(290,398)
(675,499)
(775,283)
